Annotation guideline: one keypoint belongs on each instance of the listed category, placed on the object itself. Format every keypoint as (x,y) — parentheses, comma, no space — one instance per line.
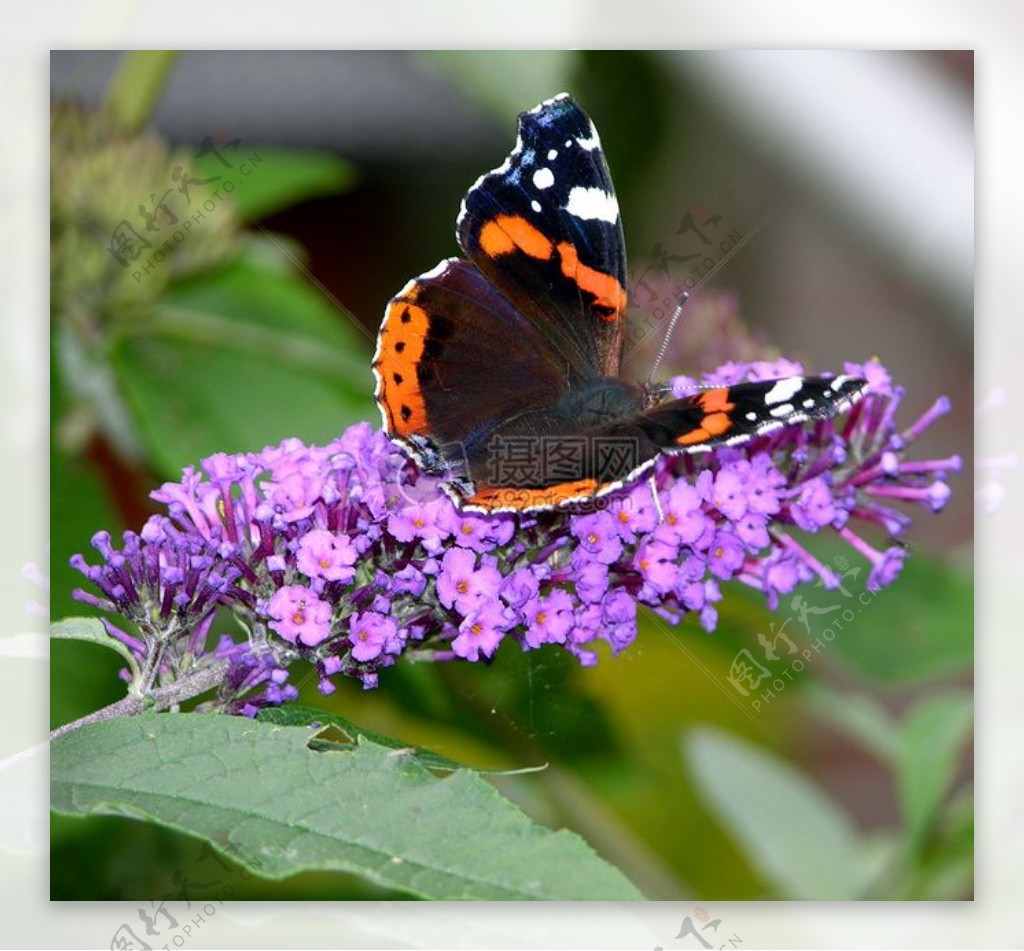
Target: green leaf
(238,359)
(931,740)
(91,630)
(269,179)
(792,833)
(348,734)
(257,788)
(946,870)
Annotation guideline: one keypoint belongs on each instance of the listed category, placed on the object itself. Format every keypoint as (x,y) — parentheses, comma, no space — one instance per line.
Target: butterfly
(499,371)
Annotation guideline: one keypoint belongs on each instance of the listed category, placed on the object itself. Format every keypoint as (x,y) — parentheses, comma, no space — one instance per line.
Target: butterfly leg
(657,500)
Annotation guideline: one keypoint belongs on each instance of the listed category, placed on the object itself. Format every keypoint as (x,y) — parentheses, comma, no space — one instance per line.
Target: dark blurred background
(851,177)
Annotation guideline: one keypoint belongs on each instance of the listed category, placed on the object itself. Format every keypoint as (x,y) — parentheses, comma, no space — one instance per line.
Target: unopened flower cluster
(346,555)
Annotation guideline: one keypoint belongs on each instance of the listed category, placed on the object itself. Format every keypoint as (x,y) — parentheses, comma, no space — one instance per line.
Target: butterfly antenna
(667,339)
(736,248)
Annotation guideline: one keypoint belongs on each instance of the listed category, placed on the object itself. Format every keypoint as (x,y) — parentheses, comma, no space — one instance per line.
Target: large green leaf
(259,789)
(346,734)
(238,359)
(267,179)
(796,836)
(930,743)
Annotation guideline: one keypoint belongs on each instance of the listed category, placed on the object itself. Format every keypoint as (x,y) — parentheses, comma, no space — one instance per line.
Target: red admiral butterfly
(500,371)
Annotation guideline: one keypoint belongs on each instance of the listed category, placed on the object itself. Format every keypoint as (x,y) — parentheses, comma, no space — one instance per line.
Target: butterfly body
(501,371)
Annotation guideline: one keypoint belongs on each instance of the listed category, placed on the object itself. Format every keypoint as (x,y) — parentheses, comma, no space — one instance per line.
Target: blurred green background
(347,169)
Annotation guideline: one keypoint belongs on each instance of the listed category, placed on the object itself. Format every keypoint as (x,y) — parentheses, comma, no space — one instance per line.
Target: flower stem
(162,698)
(137,85)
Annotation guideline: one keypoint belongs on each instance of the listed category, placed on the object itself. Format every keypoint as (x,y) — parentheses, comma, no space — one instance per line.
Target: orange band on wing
(717,424)
(712,425)
(716,421)
(508,233)
(607,291)
(402,339)
(716,400)
(505,497)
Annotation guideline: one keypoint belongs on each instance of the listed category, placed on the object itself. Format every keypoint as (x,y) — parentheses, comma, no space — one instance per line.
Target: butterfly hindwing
(454,358)
(545,229)
(730,415)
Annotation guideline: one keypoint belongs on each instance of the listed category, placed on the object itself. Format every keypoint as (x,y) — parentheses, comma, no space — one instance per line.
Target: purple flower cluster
(349,557)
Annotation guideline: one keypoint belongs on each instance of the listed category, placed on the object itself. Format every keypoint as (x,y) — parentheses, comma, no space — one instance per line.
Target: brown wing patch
(400,348)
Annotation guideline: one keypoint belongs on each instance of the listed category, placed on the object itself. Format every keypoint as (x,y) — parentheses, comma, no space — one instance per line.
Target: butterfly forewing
(545,229)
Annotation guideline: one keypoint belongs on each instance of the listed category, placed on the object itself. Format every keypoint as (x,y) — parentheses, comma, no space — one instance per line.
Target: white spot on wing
(808,403)
(535,205)
(552,154)
(783,390)
(752,416)
(839,382)
(593,141)
(543,178)
(590,203)
(781,411)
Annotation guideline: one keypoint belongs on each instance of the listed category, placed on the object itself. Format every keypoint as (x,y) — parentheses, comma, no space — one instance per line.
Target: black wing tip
(552,110)
(847,387)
